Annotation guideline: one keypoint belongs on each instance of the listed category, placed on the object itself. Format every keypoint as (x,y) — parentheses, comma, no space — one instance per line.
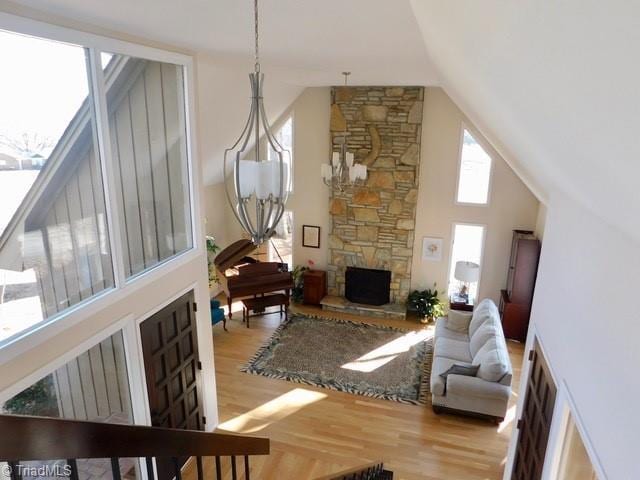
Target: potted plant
(426,304)
(212,249)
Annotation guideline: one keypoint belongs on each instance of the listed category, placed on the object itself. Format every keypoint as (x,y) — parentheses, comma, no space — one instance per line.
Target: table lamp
(467,273)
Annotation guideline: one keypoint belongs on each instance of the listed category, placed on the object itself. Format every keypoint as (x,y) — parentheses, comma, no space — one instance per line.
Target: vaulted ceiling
(556,85)
(553,85)
(378,40)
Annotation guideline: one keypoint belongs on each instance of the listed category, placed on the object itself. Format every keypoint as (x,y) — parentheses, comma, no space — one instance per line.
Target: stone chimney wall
(372,226)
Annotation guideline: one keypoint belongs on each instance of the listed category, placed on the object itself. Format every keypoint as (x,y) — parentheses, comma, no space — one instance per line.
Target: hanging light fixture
(252,178)
(342,172)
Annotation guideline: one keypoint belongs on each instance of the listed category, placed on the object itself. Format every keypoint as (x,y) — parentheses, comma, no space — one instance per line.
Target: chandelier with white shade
(257,184)
(342,172)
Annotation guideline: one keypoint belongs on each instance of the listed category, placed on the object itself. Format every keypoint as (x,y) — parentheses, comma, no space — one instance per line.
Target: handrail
(36,438)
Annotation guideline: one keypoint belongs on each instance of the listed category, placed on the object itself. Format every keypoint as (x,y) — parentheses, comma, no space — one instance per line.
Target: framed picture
(310,236)
(432,249)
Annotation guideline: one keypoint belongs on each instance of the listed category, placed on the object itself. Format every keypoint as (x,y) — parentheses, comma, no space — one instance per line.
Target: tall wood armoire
(515,300)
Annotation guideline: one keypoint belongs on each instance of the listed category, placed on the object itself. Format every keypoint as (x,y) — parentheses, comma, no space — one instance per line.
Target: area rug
(360,358)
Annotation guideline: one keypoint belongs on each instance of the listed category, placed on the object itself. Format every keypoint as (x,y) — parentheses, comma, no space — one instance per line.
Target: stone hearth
(372,226)
(334,303)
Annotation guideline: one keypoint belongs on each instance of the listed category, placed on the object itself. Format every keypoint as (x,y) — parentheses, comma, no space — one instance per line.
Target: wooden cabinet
(314,286)
(515,299)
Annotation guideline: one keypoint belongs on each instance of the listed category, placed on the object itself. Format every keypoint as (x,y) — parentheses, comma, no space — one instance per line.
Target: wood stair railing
(370,471)
(24,438)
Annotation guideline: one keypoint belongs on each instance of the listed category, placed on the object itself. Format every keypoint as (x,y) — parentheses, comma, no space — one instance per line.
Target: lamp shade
(467,272)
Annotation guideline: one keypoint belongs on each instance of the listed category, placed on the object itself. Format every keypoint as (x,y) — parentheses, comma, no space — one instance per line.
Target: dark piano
(242,276)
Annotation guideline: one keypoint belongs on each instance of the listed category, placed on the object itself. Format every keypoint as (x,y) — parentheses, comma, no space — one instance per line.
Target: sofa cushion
(443,332)
(486,331)
(485,310)
(454,349)
(441,365)
(493,359)
(458,321)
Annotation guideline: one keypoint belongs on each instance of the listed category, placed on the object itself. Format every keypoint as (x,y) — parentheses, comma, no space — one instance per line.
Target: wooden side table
(454,304)
(314,286)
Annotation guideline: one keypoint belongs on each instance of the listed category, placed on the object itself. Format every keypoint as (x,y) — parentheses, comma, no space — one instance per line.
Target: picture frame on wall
(432,249)
(311,236)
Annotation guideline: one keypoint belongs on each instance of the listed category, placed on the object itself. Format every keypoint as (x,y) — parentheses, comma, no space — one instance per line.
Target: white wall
(511,204)
(584,314)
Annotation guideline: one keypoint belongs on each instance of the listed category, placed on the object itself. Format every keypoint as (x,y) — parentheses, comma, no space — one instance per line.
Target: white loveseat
(480,344)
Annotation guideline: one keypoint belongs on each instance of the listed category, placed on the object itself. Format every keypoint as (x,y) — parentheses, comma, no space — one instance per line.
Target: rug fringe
(424,393)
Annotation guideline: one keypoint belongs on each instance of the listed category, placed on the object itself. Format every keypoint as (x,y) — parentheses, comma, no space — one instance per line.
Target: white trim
(96,77)
(564,411)
(66,357)
(478,138)
(40,333)
(453,239)
(36,28)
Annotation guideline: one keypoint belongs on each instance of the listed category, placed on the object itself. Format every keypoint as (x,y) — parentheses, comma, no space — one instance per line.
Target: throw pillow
(493,360)
(466,370)
(458,321)
(484,311)
(487,331)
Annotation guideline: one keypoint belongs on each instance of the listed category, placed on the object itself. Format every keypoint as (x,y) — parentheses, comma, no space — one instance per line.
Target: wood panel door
(172,369)
(535,422)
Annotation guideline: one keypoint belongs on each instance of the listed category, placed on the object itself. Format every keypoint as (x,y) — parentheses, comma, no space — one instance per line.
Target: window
(55,240)
(148,146)
(284,136)
(93,386)
(54,249)
(574,460)
(475,172)
(281,244)
(468,243)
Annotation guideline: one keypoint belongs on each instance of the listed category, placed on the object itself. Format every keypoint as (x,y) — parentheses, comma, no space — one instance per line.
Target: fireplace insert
(367,285)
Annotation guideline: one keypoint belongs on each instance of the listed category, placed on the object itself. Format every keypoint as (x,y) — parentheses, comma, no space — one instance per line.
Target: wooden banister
(36,438)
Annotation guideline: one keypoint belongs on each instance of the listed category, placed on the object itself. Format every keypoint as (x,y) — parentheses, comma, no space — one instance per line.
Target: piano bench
(260,303)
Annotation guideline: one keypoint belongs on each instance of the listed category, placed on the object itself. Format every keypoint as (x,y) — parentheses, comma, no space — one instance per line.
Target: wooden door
(535,423)
(172,369)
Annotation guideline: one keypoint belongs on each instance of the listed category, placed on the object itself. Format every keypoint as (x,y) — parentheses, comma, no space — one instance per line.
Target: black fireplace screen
(368,286)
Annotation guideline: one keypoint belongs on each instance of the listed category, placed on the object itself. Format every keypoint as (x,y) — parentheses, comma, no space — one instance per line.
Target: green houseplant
(212,249)
(426,304)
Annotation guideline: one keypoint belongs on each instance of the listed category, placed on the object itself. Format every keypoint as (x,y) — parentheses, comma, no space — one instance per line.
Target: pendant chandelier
(342,172)
(257,173)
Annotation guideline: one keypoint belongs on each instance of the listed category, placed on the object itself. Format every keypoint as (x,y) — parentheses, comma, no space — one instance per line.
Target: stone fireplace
(372,226)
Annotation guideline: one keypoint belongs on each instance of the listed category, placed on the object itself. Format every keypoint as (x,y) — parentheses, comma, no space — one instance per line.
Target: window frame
(95,45)
(482,249)
(464,126)
(277,127)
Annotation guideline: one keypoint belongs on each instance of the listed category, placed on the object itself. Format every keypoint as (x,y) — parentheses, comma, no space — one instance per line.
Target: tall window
(281,244)
(475,172)
(93,386)
(55,241)
(284,136)
(54,249)
(148,146)
(468,243)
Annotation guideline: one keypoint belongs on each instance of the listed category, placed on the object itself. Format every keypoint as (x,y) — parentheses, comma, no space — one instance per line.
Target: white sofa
(481,344)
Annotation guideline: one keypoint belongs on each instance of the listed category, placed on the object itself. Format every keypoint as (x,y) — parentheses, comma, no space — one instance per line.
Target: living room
(482,150)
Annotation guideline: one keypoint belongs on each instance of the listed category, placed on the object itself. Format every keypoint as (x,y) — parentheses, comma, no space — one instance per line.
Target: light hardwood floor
(316,431)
